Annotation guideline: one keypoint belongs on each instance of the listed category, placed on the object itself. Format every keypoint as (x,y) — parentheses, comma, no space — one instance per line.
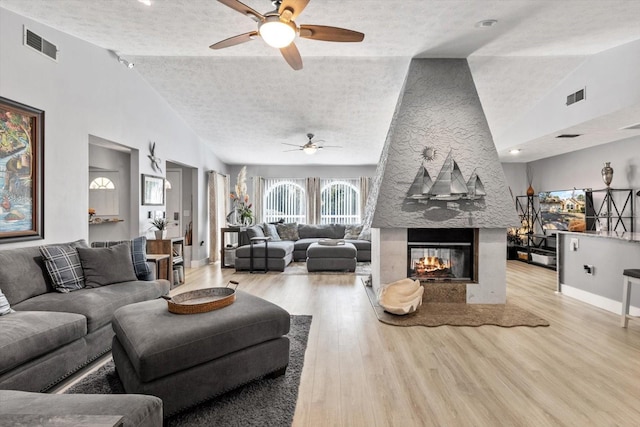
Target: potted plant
(513,240)
(160,224)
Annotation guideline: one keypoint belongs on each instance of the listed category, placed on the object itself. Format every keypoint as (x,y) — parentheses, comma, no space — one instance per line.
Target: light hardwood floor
(582,370)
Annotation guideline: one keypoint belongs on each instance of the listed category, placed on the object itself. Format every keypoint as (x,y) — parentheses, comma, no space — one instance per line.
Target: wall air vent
(569,135)
(40,44)
(577,96)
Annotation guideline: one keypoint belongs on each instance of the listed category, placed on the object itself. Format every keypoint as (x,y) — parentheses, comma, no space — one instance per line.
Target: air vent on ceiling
(40,44)
(569,135)
(576,96)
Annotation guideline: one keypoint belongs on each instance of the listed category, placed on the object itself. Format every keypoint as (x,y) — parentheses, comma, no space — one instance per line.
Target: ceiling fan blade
(297,149)
(295,6)
(243,8)
(232,41)
(292,56)
(330,146)
(293,145)
(330,34)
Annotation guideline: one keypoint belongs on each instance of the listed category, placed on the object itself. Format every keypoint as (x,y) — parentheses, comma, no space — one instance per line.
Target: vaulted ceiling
(245,101)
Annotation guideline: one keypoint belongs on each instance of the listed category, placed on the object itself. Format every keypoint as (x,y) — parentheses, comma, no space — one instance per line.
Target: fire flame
(430,264)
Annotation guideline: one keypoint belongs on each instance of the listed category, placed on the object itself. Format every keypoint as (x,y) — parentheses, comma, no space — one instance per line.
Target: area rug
(300,268)
(458,314)
(263,402)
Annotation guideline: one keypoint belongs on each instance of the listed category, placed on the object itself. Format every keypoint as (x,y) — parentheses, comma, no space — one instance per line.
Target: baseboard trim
(597,300)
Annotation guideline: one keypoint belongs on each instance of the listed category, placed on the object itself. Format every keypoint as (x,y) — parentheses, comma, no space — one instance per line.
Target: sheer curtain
(258,199)
(218,188)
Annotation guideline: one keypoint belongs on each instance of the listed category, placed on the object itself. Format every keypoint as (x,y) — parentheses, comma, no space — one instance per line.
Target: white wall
(88,92)
(270,171)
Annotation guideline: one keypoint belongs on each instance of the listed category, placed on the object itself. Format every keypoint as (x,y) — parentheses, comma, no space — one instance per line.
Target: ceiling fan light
(310,149)
(276,33)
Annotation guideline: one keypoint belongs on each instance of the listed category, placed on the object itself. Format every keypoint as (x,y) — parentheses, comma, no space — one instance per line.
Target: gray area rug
(457,314)
(300,268)
(265,402)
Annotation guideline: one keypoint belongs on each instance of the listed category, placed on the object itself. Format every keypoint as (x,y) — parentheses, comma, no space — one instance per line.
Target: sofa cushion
(105,266)
(96,304)
(331,231)
(64,268)
(136,410)
(275,250)
(255,231)
(288,231)
(138,247)
(5,307)
(352,231)
(270,230)
(361,245)
(26,335)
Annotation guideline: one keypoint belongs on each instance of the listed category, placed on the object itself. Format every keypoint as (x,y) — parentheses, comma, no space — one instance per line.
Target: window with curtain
(340,201)
(284,199)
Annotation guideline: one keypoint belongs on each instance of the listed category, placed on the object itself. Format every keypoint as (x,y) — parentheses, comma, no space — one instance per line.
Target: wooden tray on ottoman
(202,300)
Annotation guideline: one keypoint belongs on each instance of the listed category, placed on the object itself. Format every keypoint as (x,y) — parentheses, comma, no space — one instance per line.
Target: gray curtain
(312,187)
(365,182)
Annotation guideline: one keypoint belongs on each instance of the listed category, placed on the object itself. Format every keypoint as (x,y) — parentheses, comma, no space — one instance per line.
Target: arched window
(284,199)
(102,183)
(340,201)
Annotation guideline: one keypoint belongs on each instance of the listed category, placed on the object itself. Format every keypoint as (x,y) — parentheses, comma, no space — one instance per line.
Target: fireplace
(442,254)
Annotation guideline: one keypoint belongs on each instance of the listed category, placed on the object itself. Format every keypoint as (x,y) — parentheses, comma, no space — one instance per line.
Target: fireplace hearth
(442,255)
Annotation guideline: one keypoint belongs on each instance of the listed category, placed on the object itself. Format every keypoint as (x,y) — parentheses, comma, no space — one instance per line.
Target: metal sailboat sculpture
(449,185)
(475,187)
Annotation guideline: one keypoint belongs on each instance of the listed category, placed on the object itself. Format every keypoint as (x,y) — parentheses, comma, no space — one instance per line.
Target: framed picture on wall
(152,190)
(21,172)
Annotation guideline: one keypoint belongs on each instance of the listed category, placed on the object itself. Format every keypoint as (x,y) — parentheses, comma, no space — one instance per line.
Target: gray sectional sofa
(289,242)
(51,334)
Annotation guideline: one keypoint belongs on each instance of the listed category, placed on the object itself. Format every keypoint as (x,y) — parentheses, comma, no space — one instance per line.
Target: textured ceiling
(245,101)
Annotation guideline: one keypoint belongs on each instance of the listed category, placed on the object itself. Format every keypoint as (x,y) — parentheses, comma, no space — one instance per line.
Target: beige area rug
(458,314)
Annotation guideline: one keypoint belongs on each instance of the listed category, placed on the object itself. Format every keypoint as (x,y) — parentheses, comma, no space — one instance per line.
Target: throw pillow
(105,266)
(365,234)
(5,307)
(255,231)
(352,231)
(288,231)
(138,248)
(270,230)
(63,265)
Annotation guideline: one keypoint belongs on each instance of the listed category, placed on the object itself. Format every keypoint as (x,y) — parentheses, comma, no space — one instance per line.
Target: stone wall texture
(438,115)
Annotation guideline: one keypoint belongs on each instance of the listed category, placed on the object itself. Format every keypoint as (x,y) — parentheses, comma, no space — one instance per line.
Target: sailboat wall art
(449,184)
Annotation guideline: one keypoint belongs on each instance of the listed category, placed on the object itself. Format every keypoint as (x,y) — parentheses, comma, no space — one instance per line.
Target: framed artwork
(152,190)
(21,172)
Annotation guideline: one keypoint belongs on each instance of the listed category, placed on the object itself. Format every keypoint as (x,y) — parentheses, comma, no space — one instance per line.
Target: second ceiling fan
(311,146)
(278,29)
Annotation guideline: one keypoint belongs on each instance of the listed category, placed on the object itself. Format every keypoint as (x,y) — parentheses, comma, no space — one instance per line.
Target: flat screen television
(563,210)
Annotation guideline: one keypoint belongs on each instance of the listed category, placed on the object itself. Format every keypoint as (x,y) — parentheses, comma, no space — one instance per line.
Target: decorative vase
(530,191)
(247,221)
(160,234)
(607,173)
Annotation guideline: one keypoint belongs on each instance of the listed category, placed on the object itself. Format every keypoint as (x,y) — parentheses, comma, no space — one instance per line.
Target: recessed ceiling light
(515,151)
(487,23)
(145,2)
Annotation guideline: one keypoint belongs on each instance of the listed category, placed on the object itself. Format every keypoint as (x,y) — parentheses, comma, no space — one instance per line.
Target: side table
(252,242)
(163,268)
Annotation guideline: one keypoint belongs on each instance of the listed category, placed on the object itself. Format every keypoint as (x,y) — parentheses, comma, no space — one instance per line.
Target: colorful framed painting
(152,190)
(21,172)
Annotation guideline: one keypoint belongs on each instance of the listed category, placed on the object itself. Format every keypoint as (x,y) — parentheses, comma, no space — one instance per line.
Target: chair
(631,276)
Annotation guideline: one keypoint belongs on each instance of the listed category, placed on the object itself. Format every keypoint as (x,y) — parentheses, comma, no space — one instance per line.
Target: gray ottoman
(186,359)
(331,258)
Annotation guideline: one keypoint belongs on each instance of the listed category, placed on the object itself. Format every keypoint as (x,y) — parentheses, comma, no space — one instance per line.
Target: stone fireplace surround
(438,138)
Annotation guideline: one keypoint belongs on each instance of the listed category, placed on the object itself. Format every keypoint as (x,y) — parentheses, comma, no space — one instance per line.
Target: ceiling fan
(278,29)
(311,147)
